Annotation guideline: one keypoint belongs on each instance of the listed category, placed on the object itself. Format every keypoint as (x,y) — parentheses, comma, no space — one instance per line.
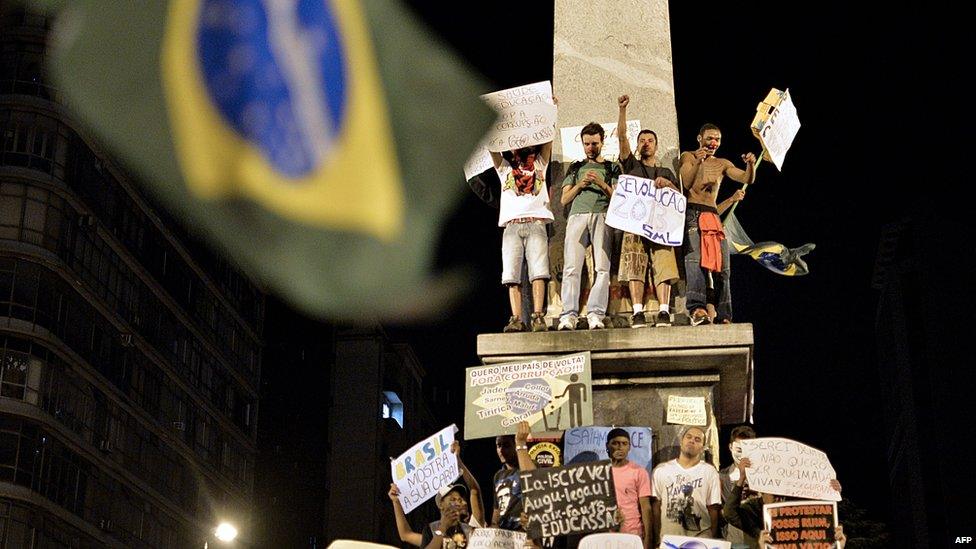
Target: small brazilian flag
(772,255)
(317,142)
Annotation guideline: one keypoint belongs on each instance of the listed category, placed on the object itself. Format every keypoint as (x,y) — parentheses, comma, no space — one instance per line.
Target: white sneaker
(595,322)
(567,323)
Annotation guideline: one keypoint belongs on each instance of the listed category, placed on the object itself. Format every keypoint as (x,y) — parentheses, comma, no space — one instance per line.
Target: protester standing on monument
(689,490)
(513,452)
(524,213)
(632,486)
(588,186)
(705,248)
(634,254)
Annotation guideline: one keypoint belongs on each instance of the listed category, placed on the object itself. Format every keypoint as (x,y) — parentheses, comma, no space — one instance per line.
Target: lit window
(391,407)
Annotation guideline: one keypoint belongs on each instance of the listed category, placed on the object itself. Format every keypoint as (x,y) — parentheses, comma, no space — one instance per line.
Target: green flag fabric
(315,142)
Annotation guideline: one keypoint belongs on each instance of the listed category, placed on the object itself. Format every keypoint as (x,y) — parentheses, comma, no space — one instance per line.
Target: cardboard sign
(425,468)
(551,393)
(683,542)
(572,142)
(495,538)
(687,410)
(801,525)
(775,125)
(788,468)
(526,116)
(575,499)
(479,161)
(638,207)
(590,444)
(611,540)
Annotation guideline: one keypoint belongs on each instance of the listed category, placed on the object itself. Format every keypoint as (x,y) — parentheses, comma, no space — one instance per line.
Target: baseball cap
(445,490)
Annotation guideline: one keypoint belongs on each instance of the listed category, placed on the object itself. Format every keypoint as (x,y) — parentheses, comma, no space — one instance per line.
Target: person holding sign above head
(451,531)
(588,186)
(705,247)
(689,490)
(746,514)
(632,487)
(634,254)
(524,213)
(513,452)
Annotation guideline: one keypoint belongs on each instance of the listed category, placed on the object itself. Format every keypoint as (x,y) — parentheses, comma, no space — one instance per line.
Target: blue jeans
(697,278)
(581,230)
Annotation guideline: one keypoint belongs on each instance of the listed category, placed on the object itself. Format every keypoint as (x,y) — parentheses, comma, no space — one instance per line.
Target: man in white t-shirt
(689,490)
(524,213)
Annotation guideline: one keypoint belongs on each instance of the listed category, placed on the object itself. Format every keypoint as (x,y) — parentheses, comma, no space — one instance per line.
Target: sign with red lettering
(801,524)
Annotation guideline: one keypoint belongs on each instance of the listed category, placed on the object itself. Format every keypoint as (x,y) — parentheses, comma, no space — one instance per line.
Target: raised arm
(748,175)
(474,489)
(407,535)
(497,159)
(522,447)
(622,103)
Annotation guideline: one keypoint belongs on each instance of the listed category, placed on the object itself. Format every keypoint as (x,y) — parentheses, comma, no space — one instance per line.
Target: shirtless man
(706,250)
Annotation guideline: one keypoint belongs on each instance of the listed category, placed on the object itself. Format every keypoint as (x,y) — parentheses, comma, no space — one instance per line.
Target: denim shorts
(528,240)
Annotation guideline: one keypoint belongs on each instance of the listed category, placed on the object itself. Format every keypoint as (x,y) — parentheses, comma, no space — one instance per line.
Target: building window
(391,407)
(20,375)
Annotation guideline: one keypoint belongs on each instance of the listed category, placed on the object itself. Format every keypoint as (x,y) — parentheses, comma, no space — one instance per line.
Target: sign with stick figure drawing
(551,393)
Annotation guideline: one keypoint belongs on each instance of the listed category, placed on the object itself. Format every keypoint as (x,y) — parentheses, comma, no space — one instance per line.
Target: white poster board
(526,116)
(638,207)
(777,130)
(786,467)
(687,410)
(495,538)
(425,468)
(572,143)
(479,161)
(682,542)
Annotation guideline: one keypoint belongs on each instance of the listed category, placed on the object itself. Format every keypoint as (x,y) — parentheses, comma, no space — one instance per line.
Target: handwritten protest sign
(611,540)
(585,444)
(526,116)
(788,468)
(801,525)
(776,125)
(426,467)
(572,142)
(353,544)
(479,161)
(495,538)
(682,542)
(574,499)
(687,410)
(552,393)
(638,207)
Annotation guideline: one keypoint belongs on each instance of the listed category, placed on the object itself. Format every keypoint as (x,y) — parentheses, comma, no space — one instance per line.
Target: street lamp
(225,532)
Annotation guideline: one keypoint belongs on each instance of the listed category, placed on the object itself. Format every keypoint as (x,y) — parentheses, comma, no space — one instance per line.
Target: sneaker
(538,323)
(699,316)
(567,323)
(594,322)
(663,319)
(515,324)
(638,320)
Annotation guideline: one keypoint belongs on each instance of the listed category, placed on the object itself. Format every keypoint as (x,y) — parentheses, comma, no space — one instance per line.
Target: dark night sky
(817,376)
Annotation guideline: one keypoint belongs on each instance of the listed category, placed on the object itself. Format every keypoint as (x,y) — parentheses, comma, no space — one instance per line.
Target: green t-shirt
(590,199)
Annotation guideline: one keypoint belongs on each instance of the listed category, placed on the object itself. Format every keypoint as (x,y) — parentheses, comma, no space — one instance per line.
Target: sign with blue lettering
(640,208)
(590,444)
(425,468)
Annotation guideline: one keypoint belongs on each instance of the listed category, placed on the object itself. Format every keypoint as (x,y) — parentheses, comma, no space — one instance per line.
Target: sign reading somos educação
(495,538)
(425,468)
(801,525)
(788,468)
(551,393)
(574,499)
(638,207)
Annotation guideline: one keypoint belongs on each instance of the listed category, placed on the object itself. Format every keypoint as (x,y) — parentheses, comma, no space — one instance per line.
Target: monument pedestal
(635,370)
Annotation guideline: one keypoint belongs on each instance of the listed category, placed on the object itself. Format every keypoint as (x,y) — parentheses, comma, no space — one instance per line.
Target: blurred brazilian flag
(317,142)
